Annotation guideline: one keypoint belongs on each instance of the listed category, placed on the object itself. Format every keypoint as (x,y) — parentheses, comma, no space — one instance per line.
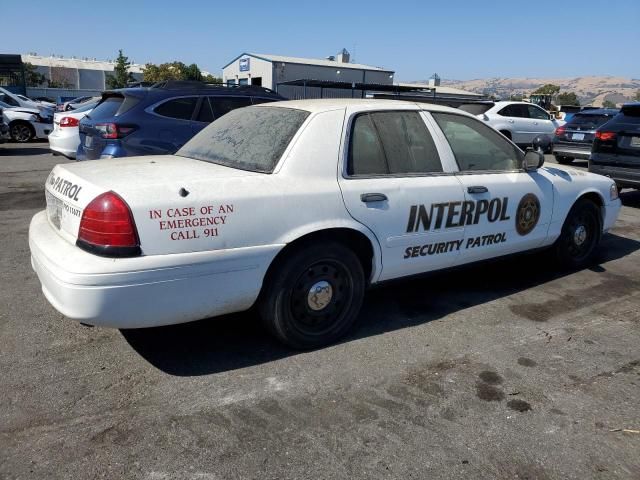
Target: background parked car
(43,103)
(159,119)
(521,122)
(575,138)
(616,148)
(4,128)
(27,123)
(78,102)
(14,100)
(65,137)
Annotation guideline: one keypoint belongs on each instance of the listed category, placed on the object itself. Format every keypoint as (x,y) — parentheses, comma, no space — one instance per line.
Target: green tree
(121,75)
(516,97)
(33,78)
(548,89)
(608,104)
(175,71)
(567,98)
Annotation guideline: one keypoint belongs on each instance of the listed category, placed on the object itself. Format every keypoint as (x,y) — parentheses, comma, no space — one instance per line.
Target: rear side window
(393,143)
(252,138)
(205,114)
(113,106)
(180,108)
(476,146)
(223,105)
(519,111)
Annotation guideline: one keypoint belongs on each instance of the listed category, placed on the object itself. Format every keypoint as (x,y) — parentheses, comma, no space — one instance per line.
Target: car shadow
(237,341)
(630,198)
(23,151)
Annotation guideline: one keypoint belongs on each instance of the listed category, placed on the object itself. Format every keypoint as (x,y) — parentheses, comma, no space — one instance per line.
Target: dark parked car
(159,119)
(574,138)
(616,148)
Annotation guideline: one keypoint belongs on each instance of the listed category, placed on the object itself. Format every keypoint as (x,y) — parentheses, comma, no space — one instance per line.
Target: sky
(457,39)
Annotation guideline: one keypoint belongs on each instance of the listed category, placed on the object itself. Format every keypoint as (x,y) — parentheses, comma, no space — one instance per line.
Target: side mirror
(533,160)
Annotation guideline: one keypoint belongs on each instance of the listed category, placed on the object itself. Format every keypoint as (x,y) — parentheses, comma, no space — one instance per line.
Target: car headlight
(613,192)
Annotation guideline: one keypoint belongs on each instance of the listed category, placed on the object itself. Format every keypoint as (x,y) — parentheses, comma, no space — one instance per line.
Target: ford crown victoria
(296,208)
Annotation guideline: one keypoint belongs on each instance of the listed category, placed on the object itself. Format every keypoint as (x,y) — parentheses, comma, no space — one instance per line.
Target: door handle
(373,197)
(510,121)
(477,189)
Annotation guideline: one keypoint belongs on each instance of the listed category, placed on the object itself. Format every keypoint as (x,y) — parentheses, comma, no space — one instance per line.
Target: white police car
(297,207)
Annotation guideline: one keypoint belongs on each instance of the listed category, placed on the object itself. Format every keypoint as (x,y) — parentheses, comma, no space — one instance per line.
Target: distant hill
(590,90)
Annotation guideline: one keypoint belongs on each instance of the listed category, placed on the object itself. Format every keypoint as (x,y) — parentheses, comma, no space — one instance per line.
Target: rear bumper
(144,291)
(623,176)
(64,143)
(571,151)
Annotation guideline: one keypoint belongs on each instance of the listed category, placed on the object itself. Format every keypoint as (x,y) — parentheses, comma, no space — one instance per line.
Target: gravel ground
(508,370)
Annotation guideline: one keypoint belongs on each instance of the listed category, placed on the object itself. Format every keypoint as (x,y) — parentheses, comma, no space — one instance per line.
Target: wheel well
(356,241)
(595,198)
(506,133)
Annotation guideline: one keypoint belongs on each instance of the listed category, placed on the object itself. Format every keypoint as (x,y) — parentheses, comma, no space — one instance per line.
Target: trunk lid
(161,191)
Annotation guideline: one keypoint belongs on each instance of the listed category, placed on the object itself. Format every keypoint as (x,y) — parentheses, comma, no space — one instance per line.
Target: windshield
(251,138)
(588,122)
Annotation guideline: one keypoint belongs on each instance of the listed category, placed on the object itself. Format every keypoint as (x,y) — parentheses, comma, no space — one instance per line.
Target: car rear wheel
(563,160)
(313,297)
(21,132)
(580,234)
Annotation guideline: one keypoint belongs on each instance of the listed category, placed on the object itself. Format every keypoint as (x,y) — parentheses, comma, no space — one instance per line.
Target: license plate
(88,141)
(635,142)
(54,210)
(578,136)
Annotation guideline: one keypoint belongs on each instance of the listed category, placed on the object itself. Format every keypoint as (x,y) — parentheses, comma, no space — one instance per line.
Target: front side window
(537,113)
(391,143)
(180,108)
(8,100)
(476,146)
(205,114)
(223,105)
(252,138)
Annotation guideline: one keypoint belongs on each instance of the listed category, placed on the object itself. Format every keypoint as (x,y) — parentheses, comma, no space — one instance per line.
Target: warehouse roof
(77,63)
(309,61)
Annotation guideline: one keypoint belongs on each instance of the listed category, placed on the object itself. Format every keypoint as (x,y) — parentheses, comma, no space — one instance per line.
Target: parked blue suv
(159,119)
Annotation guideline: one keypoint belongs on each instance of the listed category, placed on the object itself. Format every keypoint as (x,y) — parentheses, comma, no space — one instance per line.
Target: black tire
(563,160)
(287,305)
(580,235)
(21,132)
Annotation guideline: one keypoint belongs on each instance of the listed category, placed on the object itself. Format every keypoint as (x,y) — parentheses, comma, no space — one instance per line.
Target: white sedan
(297,207)
(65,137)
(26,123)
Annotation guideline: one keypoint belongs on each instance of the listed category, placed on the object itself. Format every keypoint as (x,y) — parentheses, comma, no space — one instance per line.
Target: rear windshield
(113,106)
(588,121)
(85,107)
(475,108)
(251,138)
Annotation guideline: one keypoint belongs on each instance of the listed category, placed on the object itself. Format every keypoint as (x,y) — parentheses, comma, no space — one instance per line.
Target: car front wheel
(580,234)
(313,297)
(21,132)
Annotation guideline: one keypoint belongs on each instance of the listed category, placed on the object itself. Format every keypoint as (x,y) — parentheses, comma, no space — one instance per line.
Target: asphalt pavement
(512,370)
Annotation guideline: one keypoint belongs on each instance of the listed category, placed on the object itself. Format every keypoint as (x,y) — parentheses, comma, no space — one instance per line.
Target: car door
(175,126)
(394,182)
(514,116)
(508,209)
(540,122)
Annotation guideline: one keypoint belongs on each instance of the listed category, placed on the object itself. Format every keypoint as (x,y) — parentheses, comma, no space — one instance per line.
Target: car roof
(598,111)
(327,104)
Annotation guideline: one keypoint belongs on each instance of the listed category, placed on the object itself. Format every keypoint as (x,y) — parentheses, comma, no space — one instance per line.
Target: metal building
(273,71)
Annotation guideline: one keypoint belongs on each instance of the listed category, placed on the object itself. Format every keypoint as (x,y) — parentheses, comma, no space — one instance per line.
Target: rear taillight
(113,130)
(69,122)
(107,228)
(605,136)
(560,131)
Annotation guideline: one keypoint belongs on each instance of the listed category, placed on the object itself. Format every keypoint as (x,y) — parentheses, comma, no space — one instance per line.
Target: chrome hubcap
(579,235)
(319,295)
